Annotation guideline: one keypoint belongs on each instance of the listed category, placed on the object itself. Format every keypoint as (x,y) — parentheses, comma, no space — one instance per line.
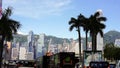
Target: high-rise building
(15,53)
(22,53)
(30,41)
(35,46)
(40,45)
(65,46)
(29,56)
(117,42)
(30,36)
(99,42)
(99,37)
(74,47)
(49,45)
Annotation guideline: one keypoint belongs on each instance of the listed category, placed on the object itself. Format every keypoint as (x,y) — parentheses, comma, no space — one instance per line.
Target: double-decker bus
(62,60)
(58,60)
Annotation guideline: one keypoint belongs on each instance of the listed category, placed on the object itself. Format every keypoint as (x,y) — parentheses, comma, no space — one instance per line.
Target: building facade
(40,45)
(117,42)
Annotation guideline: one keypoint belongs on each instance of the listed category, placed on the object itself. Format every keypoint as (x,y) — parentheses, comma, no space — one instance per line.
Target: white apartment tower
(99,38)
(117,42)
(40,45)
(22,53)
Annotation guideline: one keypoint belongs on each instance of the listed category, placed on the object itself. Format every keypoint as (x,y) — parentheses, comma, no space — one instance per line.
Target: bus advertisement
(92,56)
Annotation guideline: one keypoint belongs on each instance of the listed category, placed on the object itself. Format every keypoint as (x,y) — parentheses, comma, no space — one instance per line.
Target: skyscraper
(99,37)
(14,55)
(22,53)
(40,45)
(117,42)
(31,44)
(30,41)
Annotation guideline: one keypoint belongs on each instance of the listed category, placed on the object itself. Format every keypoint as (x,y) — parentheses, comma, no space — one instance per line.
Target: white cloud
(21,33)
(37,8)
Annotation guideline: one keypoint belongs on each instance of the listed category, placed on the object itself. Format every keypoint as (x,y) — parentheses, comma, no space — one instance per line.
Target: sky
(52,16)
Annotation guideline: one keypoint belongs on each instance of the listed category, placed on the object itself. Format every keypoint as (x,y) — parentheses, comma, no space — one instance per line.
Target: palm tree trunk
(79,44)
(93,45)
(93,42)
(1,52)
(1,49)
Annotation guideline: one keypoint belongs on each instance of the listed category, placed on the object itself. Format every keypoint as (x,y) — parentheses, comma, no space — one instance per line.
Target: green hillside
(109,37)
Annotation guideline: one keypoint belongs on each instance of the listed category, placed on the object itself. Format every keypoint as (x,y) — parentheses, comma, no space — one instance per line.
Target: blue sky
(52,16)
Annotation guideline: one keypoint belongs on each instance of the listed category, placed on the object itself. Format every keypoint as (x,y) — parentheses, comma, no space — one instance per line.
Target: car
(112,65)
(26,64)
(99,64)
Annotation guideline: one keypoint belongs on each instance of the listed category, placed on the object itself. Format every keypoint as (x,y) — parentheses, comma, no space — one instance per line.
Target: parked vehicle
(112,65)
(26,64)
(99,64)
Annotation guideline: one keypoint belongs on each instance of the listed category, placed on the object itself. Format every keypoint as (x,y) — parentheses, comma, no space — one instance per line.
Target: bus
(62,60)
(58,60)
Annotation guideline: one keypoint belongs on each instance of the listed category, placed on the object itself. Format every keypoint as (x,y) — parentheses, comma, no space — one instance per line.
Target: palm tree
(96,27)
(8,27)
(77,23)
(86,29)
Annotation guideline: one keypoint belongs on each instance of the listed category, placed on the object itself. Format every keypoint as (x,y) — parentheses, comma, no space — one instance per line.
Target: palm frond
(102,19)
(97,14)
(81,17)
(8,26)
(101,33)
(71,27)
(102,26)
(7,12)
(73,20)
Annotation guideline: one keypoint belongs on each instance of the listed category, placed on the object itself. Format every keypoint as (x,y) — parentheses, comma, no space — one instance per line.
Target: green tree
(77,23)
(8,27)
(108,51)
(96,27)
(111,52)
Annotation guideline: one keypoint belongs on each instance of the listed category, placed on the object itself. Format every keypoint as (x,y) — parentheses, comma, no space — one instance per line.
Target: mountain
(54,40)
(110,36)
(20,38)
